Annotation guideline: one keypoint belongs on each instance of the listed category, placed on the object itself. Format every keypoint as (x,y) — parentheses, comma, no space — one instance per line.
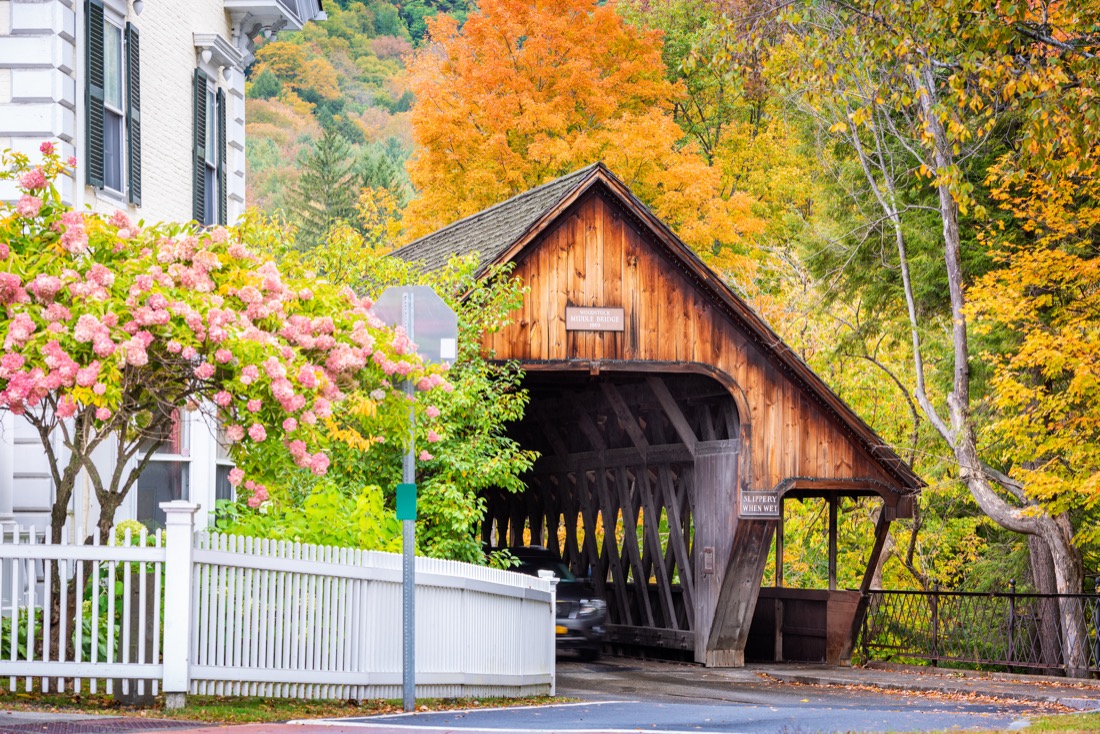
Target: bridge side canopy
(585,240)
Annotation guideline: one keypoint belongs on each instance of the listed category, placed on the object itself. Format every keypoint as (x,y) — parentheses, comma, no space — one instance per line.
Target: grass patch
(245,710)
(1066,723)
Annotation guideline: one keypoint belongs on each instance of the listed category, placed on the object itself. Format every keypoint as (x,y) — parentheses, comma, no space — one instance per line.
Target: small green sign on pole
(406,501)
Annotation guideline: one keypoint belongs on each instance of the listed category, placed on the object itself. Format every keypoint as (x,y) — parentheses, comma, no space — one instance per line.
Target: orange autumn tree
(527,91)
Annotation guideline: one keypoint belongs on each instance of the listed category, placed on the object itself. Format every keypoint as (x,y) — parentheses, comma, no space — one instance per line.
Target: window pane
(112,150)
(223,443)
(112,65)
(212,196)
(162,481)
(223,490)
(211,128)
(176,440)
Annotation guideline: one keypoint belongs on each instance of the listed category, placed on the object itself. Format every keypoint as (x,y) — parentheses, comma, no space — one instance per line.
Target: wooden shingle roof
(493,230)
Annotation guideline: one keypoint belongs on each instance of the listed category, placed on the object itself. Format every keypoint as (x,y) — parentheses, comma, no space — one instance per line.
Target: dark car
(581,614)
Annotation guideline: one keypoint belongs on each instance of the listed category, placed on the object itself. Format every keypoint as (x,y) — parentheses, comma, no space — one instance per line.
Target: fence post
(1096,626)
(1011,623)
(935,623)
(179,543)
(553,579)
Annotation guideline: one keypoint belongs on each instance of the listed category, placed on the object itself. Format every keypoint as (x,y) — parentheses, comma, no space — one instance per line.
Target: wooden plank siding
(598,253)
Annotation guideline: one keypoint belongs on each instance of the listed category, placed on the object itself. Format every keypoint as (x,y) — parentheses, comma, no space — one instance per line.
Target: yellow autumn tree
(290,64)
(1044,303)
(528,91)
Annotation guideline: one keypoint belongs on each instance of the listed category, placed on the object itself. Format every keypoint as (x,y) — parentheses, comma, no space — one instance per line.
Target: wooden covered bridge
(672,424)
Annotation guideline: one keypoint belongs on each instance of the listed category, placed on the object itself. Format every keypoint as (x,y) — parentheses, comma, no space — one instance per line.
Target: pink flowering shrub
(112,326)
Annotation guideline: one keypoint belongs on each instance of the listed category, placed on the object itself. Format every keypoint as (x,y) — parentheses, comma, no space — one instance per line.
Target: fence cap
(179,511)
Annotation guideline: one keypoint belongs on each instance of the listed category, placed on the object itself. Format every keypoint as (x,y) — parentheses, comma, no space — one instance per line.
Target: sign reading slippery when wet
(759,504)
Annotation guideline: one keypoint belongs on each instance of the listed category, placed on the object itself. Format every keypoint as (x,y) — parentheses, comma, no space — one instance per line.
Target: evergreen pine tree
(327,189)
(265,86)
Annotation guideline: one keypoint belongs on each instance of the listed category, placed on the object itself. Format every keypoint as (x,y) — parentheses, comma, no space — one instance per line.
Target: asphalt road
(619,695)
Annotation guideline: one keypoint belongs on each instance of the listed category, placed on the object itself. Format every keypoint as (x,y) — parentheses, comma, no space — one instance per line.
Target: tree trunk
(1069,574)
(1048,629)
(1025,516)
(106,522)
(888,549)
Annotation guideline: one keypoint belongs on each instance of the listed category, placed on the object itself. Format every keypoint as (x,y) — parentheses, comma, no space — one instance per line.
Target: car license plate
(560,630)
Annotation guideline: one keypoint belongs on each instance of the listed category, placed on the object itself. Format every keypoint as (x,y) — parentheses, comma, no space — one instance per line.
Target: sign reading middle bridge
(578,318)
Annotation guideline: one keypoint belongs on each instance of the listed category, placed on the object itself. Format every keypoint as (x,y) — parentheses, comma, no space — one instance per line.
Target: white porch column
(179,546)
(7,470)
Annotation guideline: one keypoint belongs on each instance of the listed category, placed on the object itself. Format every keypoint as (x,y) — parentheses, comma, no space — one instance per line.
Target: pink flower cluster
(28,206)
(33,179)
(317,463)
(11,289)
(74,238)
(259,494)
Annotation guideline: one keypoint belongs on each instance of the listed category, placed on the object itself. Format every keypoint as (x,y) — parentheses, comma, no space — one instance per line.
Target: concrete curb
(1017,693)
(1021,678)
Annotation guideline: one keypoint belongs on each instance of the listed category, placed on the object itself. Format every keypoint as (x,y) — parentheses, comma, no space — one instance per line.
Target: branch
(910,300)
(1013,487)
(913,412)
(1035,35)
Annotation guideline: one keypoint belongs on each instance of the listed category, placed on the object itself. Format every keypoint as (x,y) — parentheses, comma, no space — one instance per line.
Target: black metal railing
(1038,633)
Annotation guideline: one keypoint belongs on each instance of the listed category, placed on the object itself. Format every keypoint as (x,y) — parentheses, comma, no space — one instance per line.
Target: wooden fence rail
(184,612)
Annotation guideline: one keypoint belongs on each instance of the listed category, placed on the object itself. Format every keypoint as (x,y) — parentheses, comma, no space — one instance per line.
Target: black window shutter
(199,201)
(93,93)
(133,113)
(222,150)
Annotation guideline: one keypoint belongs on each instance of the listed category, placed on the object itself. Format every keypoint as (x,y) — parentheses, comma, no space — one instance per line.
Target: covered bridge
(672,423)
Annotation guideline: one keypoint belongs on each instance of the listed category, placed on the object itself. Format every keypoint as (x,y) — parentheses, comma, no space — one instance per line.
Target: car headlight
(591,606)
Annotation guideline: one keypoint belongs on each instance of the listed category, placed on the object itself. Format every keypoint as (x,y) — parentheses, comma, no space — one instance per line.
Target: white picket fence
(212,614)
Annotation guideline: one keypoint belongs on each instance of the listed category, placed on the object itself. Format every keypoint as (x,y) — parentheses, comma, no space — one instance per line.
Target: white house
(148,96)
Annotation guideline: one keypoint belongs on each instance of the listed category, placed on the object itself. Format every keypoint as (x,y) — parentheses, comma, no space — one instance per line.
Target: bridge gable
(598,252)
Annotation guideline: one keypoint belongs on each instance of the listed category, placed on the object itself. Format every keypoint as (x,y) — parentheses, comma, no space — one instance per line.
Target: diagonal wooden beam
(626,418)
(677,540)
(653,540)
(610,509)
(882,529)
(672,410)
(590,430)
(550,431)
(630,543)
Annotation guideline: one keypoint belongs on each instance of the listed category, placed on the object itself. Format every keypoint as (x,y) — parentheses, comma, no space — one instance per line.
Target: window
(112,108)
(165,478)
(209,182)
(211,158)
(223,490)
(113,114)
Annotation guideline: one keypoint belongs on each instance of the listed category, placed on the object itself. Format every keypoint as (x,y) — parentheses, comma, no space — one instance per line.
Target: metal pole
(408,541)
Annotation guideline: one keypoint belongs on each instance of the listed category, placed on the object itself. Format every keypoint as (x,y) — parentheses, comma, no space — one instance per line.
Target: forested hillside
(345,75)
(912,203)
